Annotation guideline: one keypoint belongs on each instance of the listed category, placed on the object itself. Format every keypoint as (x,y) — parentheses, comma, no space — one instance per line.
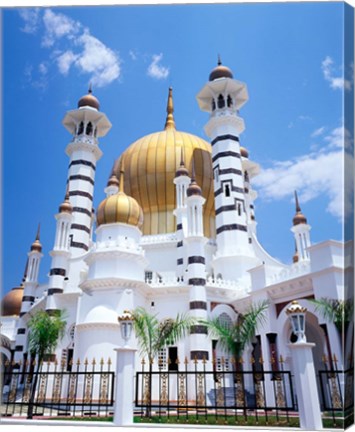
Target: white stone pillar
(306,386)
(125,369)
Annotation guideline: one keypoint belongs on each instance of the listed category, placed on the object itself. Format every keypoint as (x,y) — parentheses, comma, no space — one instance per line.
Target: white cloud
(336,82)
(318,132)
(156,70)
(31,17)
(72,46)
(65,60)
(305,118)
(133,55)
(58,25)
(312,175)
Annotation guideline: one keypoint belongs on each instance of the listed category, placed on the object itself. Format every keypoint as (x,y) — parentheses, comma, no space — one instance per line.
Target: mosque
(175,233)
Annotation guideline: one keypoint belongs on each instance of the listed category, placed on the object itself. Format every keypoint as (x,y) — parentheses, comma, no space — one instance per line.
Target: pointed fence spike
(281,359)
(109,361)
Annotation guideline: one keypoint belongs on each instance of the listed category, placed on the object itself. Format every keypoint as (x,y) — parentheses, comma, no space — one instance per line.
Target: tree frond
(146,328)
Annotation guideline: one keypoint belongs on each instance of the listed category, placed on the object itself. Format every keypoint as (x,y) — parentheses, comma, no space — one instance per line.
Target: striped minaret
(222,97)
(21,328)
(301,231)
(181,181)
(86,124)
(30,284)
(60,254)
(196,270)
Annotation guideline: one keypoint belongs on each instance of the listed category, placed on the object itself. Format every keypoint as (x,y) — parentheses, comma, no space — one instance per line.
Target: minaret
(30,283)
(196,270)
(181,181)
(86,124)
(60,253)
(222,97)
(21,328)
(301,232)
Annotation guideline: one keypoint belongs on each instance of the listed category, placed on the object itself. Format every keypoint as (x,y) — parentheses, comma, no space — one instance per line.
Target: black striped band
(230,171)
(19,348)
(225,137)
(231,227)
(82,162)
(81,193)
(196,260)
(198,329)
(28,298)
(198,305)
(179,227)
(225,154)
(57,272)
(251,206)
(197,281)
(179,244)
(79,245)
(199,355)
(180,261)
(82,210)
(246,190)
(80,227)
(226,208)
(21,331)
(52,291)
(234,189)
(82,177)
(22,314)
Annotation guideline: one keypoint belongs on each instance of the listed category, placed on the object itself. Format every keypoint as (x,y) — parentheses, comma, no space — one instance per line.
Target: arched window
(95,132)
(239,209)
(225,320)
(81,128)
(220,101)
(89,129)
(229,101)
(213,105)
(227,190)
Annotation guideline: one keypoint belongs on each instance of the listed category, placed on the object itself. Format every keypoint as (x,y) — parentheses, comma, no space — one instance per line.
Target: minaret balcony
(85,139)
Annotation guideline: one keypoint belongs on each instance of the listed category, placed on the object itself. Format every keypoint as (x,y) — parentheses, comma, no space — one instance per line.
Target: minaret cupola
(89,100)
(220,71)
(66,206)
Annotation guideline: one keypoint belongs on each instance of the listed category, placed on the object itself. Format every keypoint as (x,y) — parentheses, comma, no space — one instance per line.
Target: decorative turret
(301,232)
(36,245)
(86,124)
(222,97)
(113,185)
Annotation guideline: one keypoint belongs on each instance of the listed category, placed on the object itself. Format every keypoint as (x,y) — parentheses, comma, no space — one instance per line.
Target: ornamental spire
(170,122)
(36,245)
(299,216)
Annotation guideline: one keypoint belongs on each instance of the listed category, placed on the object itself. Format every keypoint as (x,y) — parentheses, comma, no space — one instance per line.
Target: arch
(89,128)
(220,101)
(229,101)
(81,128)
(6,352)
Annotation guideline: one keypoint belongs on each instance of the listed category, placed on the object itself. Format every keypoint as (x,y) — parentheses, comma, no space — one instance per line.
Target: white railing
(158,238)
(291,272)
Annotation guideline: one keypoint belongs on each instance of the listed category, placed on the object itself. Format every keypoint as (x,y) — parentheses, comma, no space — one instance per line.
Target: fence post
(123,413)
(306,386)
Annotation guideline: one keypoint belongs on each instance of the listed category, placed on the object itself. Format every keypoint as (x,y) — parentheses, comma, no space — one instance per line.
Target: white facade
(96,276)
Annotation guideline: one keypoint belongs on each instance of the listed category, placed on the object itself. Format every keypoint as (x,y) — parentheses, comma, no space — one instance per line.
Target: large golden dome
(150,165)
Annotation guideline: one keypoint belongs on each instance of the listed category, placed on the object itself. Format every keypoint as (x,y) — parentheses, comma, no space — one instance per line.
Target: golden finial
(36,245)
(122,179)
(170,122)
(186,361)
(109,362)
(90,87)
(219,61)
(93,361)
(299,217)
(78,362)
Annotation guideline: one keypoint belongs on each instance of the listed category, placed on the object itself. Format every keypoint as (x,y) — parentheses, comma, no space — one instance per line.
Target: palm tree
(44,333)
(338,312)
(153,335)
(233,339)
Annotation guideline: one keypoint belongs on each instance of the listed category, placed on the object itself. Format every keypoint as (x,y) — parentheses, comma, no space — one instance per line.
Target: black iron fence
(85,390)
(202,392)
(336,393)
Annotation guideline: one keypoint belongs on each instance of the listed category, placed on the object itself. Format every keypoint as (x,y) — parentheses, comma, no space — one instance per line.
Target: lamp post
(297,314)
(304,372)
(125,369)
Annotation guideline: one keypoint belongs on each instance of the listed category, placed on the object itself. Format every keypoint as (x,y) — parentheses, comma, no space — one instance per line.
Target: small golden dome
(194,189)
(150,166)
(36,245)
(89,100)
(299,217)
(113,180)
(66,206)
(244,152)
(220,71)
(11,303)
(182,170)
(295,308)
(120,208)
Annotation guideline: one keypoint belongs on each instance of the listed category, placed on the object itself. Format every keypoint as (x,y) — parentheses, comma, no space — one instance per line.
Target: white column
(125,369)
(306,386)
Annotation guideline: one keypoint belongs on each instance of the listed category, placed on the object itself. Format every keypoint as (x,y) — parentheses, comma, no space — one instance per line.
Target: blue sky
(290,56)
